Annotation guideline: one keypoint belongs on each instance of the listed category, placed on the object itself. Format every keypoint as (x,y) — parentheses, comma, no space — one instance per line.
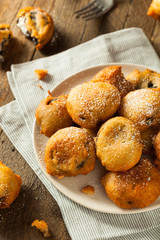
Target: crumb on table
(88,190)
(40,73)
(42,226)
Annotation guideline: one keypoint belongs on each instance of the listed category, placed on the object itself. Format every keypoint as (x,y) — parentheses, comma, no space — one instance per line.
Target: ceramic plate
(71,186)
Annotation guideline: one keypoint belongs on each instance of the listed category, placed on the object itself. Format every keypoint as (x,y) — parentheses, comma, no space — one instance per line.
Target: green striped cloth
(17,117)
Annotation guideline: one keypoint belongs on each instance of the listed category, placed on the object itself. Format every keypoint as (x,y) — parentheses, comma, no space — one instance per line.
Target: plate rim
(124,211)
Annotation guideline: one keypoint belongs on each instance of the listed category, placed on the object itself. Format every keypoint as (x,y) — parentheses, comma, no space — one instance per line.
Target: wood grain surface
(34,201)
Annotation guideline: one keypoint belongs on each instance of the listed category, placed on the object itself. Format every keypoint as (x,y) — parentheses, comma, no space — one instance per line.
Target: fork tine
(91,10)
(102,12)
(86,7)
(94,16)
(91,14)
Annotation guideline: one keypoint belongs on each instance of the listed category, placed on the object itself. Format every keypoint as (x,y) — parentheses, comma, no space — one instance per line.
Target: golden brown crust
(88,190)
(40,73)
(154,9)
(135,188)
(148,137)
(52,114)
(145,79)
(118,144)
(42,226)
(156,162)
(157,145)
(114,76)
(91,103)
(5,34)
(10,185)
(70,152)
(142,107)
(40,28)
(23,11)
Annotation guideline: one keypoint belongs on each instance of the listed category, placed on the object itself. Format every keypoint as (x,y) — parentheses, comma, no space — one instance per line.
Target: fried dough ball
(52,115)
(154,9)
(157,145)
(36,24)
(118,144)
(91,103)
(145,79)
(69,152)
(156,162)
(10,185)
(136,188)
(148,138)
(114,76)
(5,38)
(142,107)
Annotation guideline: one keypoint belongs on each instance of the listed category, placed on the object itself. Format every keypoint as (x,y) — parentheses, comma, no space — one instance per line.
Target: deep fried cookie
(157,145)
(70,152)
(52,115)
(142,107)
(148,137)
(118,144)
(36,24)
(136,188)
(154,9)
(5,37)
(10,185)
(145,79)
(91,103)
(156,163)
(114,76)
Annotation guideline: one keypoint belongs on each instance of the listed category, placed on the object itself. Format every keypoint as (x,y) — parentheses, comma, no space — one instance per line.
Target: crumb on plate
(40,73)
(42,226)
(88,190)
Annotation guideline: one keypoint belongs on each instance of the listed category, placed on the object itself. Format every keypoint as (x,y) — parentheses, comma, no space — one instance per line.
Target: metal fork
(95,9)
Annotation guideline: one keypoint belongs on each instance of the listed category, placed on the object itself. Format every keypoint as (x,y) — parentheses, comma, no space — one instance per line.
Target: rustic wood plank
(67,32)
(138,17)
(155,38)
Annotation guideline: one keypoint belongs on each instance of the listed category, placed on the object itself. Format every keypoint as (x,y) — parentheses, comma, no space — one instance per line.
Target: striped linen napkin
(16,119)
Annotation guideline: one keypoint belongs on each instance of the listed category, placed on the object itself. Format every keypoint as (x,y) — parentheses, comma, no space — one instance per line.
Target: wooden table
(34,201)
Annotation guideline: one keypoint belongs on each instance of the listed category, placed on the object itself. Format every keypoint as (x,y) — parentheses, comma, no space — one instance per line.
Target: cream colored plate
(71,186)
